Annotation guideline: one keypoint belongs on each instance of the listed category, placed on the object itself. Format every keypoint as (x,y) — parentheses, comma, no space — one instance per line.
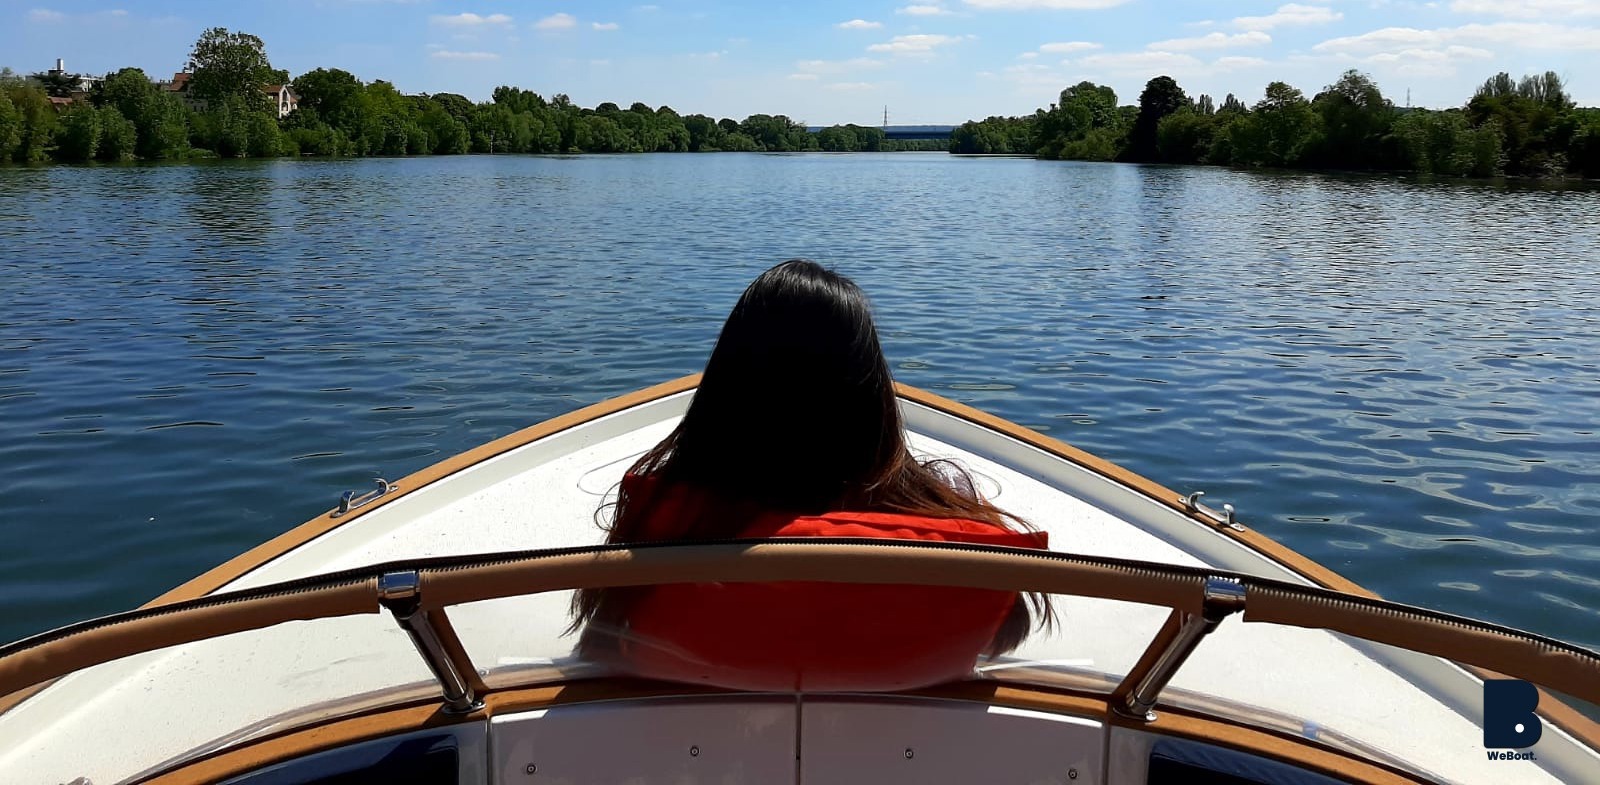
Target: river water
(1397,379)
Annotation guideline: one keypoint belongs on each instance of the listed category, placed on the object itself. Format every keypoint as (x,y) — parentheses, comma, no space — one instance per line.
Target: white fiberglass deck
(119,719)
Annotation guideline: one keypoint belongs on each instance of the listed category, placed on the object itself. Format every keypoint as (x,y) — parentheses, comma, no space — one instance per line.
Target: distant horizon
(932,62)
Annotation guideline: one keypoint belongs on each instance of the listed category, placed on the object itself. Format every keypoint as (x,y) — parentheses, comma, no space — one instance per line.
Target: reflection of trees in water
(234,223)
(229,204)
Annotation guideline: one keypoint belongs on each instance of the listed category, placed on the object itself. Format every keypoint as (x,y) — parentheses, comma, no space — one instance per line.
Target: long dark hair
(797,412)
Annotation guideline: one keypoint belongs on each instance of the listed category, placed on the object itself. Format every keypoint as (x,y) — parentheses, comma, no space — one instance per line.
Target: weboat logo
(1509,719)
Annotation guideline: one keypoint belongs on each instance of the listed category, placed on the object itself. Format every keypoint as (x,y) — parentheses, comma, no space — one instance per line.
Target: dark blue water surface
(1397,379)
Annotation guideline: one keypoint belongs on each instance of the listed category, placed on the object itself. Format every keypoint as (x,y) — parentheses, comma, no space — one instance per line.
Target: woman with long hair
(795,415)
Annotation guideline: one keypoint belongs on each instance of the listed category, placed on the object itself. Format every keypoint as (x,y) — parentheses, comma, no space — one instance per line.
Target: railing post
(1136,696)
(430,631)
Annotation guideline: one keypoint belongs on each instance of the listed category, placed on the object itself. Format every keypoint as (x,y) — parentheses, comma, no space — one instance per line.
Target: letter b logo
(1508,718)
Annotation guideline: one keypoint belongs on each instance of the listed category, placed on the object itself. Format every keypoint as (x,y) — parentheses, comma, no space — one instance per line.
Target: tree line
(1528,127)
(227,114)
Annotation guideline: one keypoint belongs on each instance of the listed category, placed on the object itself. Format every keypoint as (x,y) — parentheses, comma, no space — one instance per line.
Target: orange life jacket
(785,636)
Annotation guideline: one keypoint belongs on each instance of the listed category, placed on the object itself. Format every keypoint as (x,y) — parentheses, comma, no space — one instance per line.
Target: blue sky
(929,61)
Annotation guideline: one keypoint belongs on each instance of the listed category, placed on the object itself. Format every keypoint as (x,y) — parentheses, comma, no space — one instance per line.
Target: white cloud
(556,22)
(600,62)
(1438,52)
(1436,55)
(1213,41)
(1051,5)
(708,55)
(1068,47)
(52,16)
(1378,40)
(803,77)
(1235,63)
(1142,62)
(1027,55)
(1428,62)
(859,24)
(1526,35)
(1528,9)
(921,10)
(1290,15)
(1033,76)
(469,20)
(445,54)
(604,25)
(837,66)
(919,44)
(850,86)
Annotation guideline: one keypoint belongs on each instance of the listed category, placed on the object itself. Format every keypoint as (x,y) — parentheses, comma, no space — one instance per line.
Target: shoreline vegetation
(1519,128)
(222,107)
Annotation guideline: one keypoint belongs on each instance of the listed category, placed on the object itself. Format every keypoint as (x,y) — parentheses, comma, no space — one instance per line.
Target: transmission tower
(886,118)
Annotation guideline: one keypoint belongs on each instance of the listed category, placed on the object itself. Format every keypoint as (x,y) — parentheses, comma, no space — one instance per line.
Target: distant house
(281,96)
(76,83)
(75,87)
(179,84)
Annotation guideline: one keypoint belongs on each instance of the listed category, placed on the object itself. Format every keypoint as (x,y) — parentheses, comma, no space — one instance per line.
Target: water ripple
(1396,379)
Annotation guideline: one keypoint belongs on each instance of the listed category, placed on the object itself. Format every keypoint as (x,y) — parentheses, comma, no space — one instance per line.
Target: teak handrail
(453,580)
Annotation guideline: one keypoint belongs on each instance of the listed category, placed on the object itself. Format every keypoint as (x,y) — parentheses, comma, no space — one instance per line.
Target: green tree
(704,133)
(1482,150)
(230,136)
(265,140)
(837,139)
(1533,118)
(597,133)
(159,119)
(1585,149)
(868,139)
(332,95)
(385,122)
(737,142)
(776,133)
(1356,124)
(1185,136)
(79,136)
(446,135)
(1442,143)
(995,136)
(456,105)
(1277,131)
(119,138)
(231,66)
(1161,97)
(10,126)
(1064,130)
(36,120)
